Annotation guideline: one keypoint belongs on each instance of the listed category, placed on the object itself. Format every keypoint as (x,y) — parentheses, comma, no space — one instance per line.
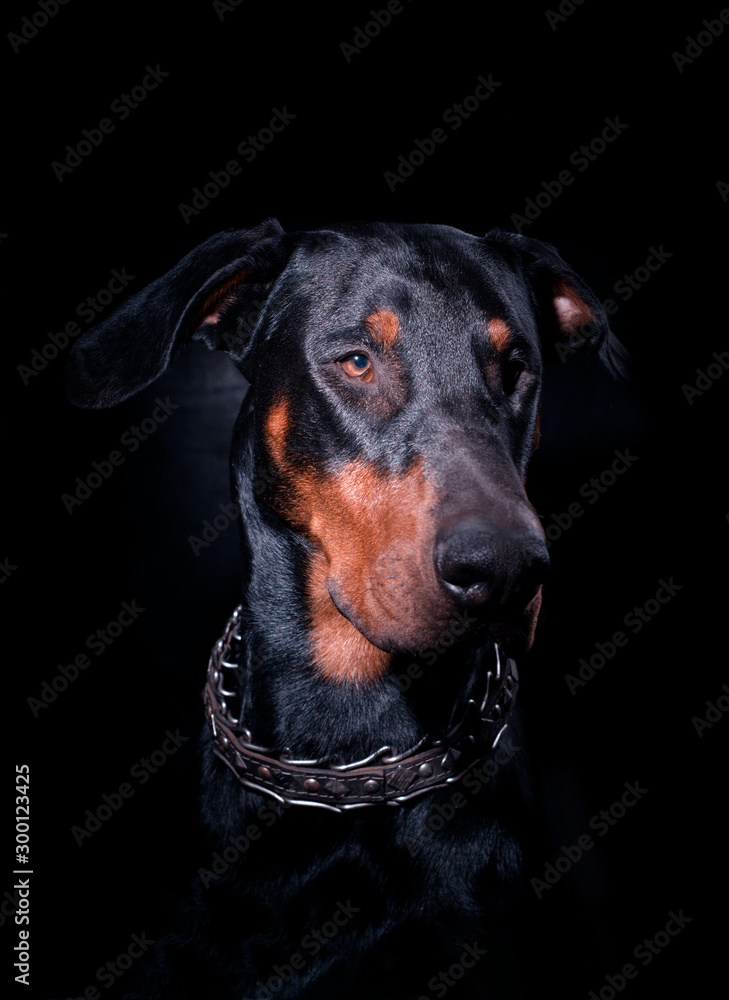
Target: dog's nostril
(474,594)
(468,581)
(465,564)
(478,566)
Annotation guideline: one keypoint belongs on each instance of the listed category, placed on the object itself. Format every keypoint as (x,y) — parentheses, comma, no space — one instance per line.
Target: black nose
(480,565)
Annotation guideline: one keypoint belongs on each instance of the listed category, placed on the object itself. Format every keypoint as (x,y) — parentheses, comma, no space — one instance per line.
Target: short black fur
(287,308)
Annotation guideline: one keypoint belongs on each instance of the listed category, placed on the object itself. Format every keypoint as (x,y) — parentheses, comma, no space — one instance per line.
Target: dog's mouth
(449,628)
(397,620)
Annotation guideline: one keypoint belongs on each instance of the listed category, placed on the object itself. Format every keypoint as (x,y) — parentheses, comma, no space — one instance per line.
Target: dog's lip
(353,619)
(507,634)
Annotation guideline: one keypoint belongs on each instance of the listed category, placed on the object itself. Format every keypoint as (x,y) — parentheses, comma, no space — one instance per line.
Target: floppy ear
(215,294)
(571,315)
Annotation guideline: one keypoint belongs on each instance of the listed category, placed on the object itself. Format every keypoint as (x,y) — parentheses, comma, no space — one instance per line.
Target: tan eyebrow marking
(500,333)
(384,327)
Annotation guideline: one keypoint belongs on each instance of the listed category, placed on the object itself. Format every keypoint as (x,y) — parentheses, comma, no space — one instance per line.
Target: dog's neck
(330,777)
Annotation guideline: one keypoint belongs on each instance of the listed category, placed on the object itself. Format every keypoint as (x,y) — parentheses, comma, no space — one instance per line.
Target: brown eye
(358,366)
(511,373)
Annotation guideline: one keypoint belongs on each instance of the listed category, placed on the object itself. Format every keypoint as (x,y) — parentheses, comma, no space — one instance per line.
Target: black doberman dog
(393,567)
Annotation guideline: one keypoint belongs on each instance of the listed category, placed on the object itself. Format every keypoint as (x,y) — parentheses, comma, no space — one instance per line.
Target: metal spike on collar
(380,778)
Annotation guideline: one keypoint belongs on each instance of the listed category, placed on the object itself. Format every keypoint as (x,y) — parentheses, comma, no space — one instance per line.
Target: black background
(666,517)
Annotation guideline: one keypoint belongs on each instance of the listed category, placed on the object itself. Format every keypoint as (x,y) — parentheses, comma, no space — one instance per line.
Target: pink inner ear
(570,309)
(211,318)
(212,311)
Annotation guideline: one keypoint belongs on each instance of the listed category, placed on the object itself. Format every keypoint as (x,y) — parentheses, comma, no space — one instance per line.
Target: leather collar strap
(383,777)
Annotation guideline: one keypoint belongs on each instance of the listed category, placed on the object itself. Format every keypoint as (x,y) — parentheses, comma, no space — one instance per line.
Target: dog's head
(395,376)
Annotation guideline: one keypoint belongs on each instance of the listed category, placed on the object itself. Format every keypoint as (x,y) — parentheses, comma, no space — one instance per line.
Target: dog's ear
(571,316)
(215,294)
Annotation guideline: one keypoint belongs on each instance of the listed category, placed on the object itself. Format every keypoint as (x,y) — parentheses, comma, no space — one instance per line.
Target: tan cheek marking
(384,327)
(314,505)
(341,509)
(375,539)
(499,333)
(276,428)
(338,649)
(340,652)
(531,616)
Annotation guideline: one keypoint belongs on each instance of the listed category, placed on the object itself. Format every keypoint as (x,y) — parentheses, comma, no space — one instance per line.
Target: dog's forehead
(424,279)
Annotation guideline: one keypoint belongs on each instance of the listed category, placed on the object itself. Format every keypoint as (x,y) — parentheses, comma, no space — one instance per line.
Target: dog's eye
(358,366)
(511,373)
